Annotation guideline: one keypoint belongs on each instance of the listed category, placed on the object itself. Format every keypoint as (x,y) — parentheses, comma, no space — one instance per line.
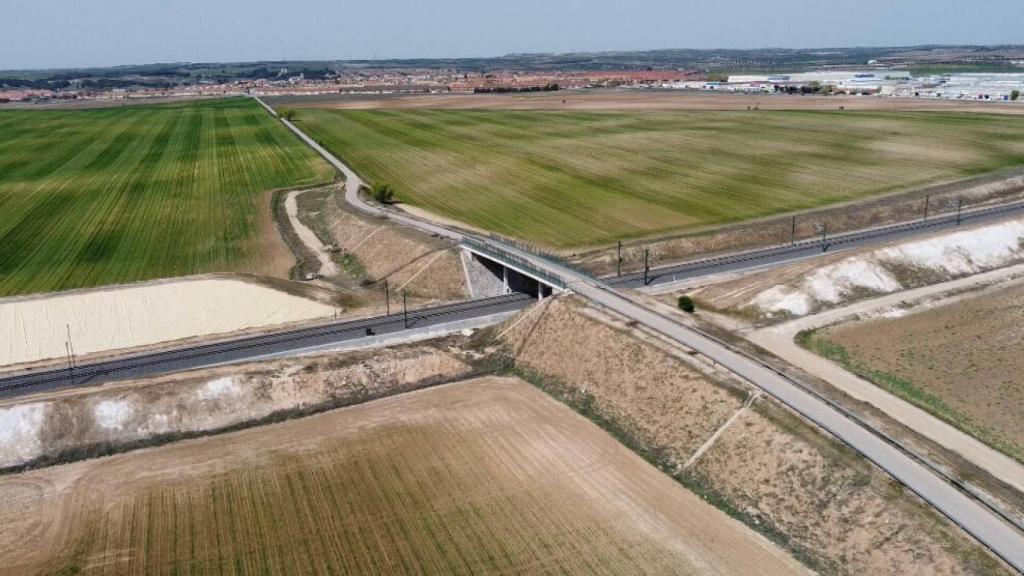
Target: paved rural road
(697,268)
(187,358)
(353,183)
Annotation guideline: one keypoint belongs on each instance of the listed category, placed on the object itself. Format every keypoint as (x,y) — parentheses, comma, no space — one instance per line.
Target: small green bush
(686,304)
(383,193)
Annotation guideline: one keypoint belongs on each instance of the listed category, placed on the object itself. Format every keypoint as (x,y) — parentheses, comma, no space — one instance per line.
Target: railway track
(253,347)
(810,248)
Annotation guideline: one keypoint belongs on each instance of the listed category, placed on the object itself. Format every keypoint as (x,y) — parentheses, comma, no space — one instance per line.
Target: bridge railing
(500,254)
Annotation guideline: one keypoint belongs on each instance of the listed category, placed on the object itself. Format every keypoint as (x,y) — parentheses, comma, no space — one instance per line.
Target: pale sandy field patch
(36,328)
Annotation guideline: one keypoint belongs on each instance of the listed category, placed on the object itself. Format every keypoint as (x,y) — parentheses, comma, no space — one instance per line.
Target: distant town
(890,83)
(957,73)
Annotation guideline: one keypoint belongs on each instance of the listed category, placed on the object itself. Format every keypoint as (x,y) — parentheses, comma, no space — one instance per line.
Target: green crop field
(93,197)
(570,179)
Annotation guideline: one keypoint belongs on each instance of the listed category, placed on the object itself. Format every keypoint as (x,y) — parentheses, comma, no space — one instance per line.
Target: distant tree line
(813,88)
(153,77)
(504,89)
(268,73)
(106,83)
(34,84)
(88,84)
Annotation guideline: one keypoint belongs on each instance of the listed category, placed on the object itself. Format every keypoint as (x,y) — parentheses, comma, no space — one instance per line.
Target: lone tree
(1014,94)
(686,304)
(383,193)
(288,115)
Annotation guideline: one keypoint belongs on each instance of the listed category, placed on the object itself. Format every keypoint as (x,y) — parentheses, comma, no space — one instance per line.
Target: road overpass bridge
(492,269)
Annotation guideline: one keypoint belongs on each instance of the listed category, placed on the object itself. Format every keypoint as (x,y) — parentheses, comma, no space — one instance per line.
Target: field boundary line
(363,241)
(424,267)
(754,395)
(521,318)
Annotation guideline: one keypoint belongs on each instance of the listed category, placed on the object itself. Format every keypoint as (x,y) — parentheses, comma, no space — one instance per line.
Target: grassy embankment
(575,179)
(95,197)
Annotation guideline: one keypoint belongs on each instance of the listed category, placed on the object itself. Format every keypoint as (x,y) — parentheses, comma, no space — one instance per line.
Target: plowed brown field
(641,100)
(488,476)
(961,362)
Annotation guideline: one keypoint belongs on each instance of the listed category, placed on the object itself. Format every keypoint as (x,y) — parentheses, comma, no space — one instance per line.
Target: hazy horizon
(101,33)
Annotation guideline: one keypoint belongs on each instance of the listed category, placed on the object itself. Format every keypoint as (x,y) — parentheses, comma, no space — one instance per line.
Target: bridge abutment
(490,276)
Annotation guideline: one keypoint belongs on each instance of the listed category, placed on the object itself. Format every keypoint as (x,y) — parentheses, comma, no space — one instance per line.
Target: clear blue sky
(69,33)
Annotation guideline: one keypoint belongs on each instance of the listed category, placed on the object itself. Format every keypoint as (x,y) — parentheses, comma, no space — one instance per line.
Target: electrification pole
(792,232)
(927,200)
(618,271)
(405,310)
(647,264)
(71,344)
(387,297)
(71,353)
(959,206)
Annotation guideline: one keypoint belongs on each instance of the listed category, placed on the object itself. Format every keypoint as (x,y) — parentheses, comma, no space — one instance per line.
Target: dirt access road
(780,340)
(308,237)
